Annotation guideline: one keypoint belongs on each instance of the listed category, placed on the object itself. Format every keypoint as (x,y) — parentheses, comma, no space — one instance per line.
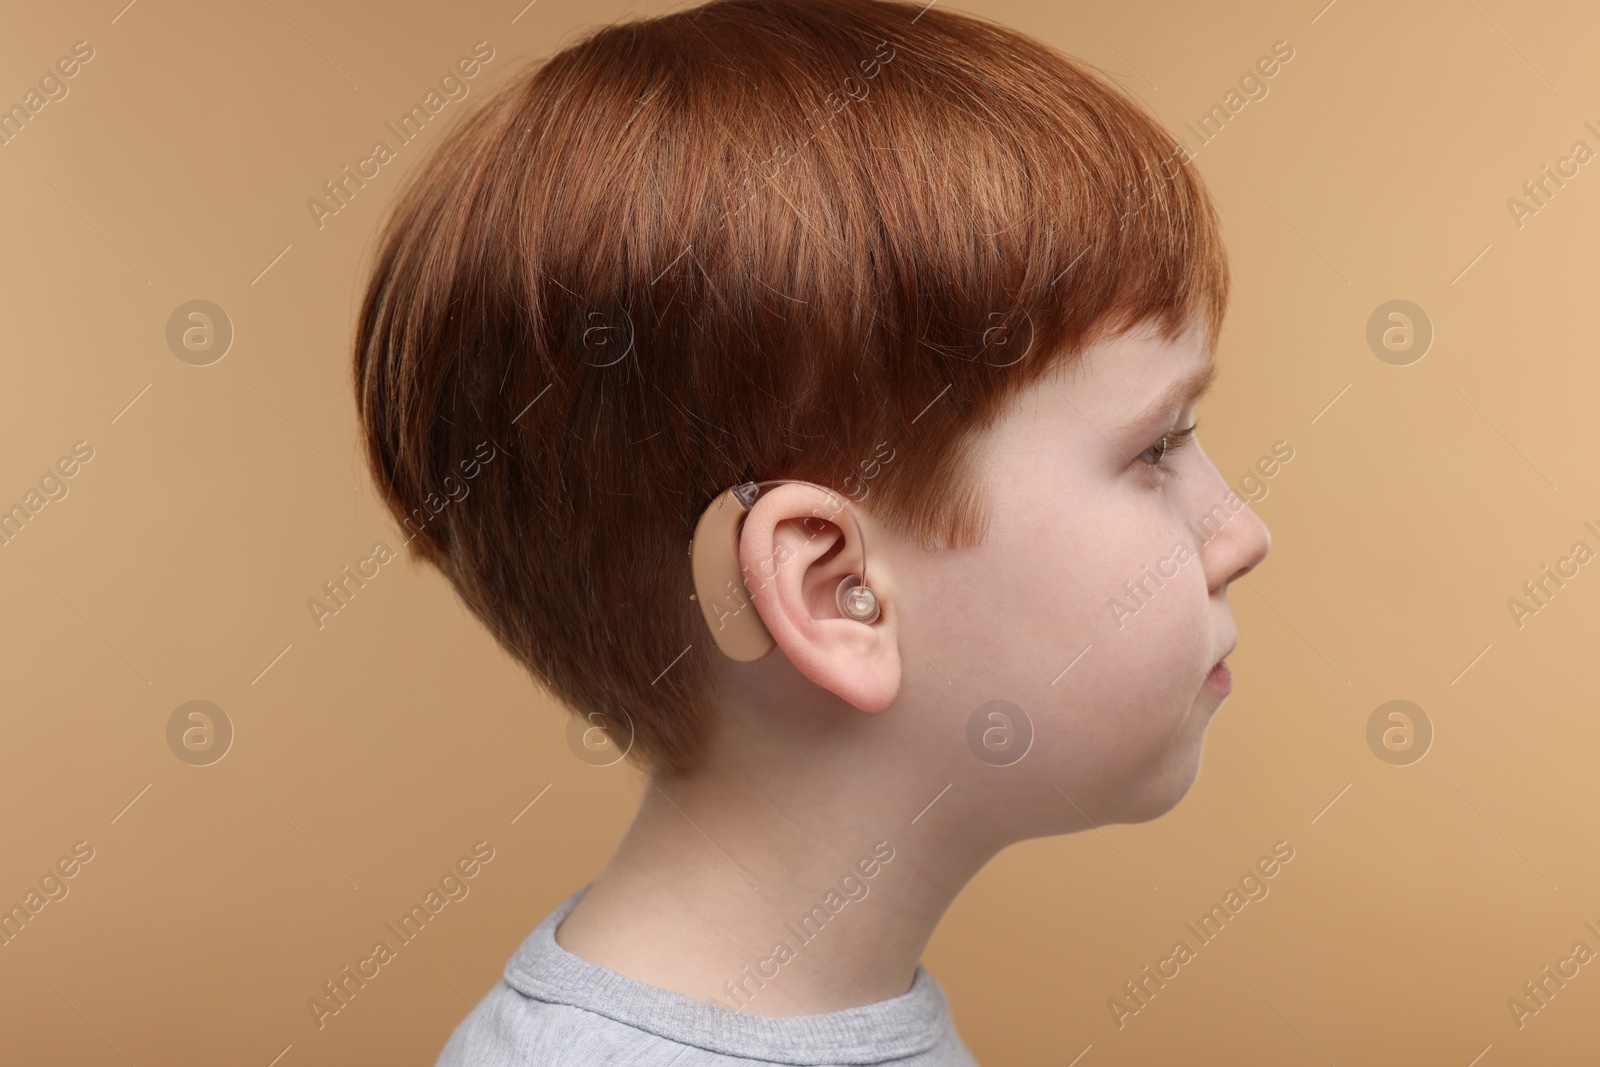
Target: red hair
(755,239)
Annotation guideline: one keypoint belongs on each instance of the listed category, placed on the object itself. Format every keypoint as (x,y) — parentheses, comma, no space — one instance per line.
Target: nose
(1233,539)
(1237,549)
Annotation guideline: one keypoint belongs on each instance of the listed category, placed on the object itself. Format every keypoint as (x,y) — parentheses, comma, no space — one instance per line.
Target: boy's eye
(1170,442)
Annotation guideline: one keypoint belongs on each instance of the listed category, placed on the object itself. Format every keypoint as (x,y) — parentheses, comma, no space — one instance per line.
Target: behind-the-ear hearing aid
(719,581)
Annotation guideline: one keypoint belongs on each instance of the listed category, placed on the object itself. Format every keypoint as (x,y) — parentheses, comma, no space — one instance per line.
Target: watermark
(52,888)
(1253,482)
(339,191)
(1542,189)
(199,332)
(856,488)
(997,340)
(1122,610)
(339,991)
(53,88)
(1537,991)
(600,738)
(1253,886)
(1399,732)
(1253,87)
(1252,84)
(52,487)
(852,887)
(199,732)
(999,733)
(597,337)
(1141,590)
(342,589)
(1541,589)
(455,491)
(851,88)
(1399,332)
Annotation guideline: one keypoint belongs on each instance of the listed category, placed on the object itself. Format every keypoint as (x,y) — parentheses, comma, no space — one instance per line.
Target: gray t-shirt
(554,1009)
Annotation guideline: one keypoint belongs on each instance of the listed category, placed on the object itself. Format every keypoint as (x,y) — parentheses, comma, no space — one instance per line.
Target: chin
(1163,790)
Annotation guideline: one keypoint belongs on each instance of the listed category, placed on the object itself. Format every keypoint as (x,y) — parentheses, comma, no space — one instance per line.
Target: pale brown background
(376,750)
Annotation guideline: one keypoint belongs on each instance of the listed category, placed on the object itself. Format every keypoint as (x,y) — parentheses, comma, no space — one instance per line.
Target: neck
(781,890)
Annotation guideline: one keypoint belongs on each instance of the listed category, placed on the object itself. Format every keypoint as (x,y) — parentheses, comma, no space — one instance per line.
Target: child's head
(897,251)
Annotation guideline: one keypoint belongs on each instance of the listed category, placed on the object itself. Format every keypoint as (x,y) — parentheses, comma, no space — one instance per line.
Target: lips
(1220,680)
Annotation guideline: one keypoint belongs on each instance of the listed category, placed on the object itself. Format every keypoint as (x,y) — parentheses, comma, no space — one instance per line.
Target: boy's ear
(793,561)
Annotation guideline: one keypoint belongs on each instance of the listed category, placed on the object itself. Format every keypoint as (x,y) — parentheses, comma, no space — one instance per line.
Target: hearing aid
(719,580)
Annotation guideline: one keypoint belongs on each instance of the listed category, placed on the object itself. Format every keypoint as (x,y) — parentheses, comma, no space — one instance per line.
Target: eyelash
(1170,442)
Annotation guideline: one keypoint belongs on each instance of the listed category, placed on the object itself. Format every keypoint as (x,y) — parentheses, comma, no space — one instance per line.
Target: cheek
(1004,620)
(1124,738)
(1123,710)
(1154,605)
(1142,679)
(1140,585)
(1017,609)
(1048,583)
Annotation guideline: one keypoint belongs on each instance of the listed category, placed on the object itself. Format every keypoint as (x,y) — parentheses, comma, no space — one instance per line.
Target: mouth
(1220,680)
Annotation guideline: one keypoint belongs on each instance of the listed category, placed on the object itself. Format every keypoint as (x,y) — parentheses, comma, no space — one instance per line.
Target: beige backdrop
(371,753)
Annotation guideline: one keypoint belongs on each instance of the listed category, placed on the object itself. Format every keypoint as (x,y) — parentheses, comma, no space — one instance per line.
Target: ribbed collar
(890,1029)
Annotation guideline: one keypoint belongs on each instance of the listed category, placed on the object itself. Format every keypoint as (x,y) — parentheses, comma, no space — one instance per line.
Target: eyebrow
(1178,395)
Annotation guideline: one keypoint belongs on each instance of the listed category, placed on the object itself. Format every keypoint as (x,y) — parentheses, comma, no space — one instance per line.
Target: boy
(903,280)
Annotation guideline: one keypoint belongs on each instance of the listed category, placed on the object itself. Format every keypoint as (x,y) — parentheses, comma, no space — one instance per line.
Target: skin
(847,734)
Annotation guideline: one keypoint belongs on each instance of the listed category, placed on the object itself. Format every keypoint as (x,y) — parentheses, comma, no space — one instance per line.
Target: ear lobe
(795,564)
